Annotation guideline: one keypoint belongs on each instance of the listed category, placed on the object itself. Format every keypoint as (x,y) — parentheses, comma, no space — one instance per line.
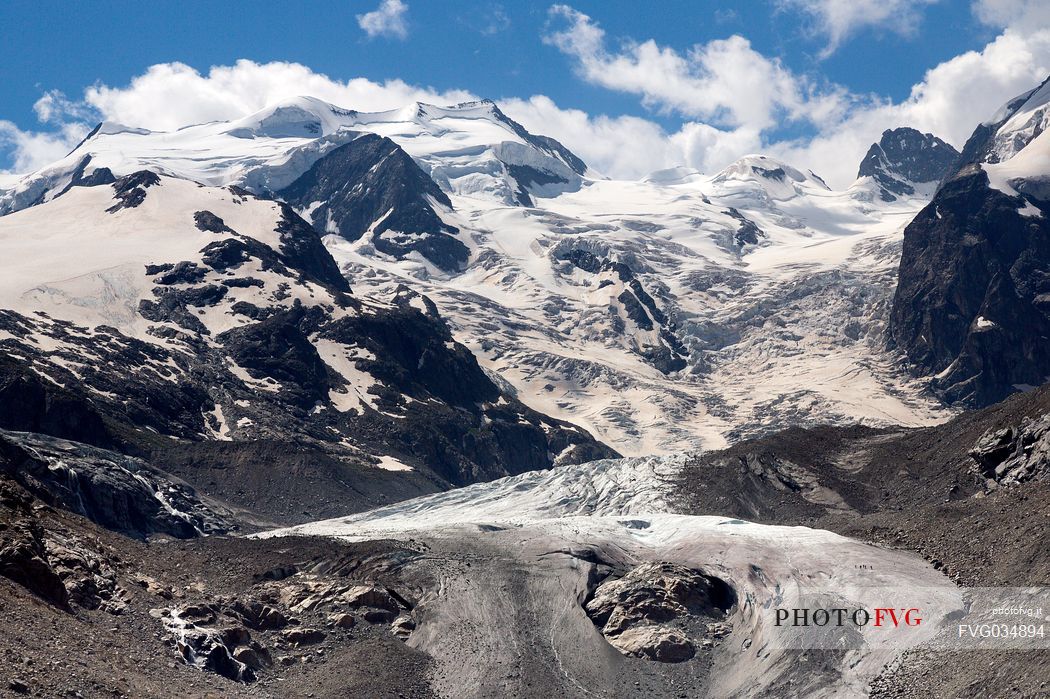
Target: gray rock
(303,637)
(368,596)
(379,616)
(1015,454)
(403,626)
(659,643)
(259,616)
(254,656)
(638,613)
(655,593)
(342,621)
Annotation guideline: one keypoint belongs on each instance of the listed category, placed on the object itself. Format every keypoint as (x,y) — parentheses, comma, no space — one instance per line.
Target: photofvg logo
(840,616)
(945,617)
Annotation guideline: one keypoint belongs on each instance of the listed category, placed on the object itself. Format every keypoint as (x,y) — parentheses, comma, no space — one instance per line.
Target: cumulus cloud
(723,82)
(66,125)
(837,20)
(628,146)
(171,95)
(1022,16)
(386,20)
(622,146)
(31,150)
(55,108)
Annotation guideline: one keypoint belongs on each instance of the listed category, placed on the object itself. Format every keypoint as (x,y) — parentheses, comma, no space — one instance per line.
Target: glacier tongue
(606,488)
(481,540)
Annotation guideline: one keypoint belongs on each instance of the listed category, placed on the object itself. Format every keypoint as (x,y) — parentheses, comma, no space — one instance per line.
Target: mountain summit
(905,158)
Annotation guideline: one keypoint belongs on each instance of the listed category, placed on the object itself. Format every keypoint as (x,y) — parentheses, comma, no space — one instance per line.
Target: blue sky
(499,50)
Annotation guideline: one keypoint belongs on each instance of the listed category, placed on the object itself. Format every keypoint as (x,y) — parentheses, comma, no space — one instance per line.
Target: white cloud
(627,146)
(386,20)
(31,150)
(171,95)
(615,146)
(725,81)
(1023,16)
(837,20)
(55,108)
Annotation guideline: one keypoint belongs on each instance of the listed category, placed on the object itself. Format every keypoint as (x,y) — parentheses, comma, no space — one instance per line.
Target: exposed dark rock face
(666,351)
(23,554)
(207,221)
(972,305)
(371,184)
(302,250)
(231,253)
(411,353)
(525,176)
(1015,454)
(99,176)
(748,233)
(276,348)
(172,306)
(131,189)
(904,157)
(116,491)
(180,273)
(29,403)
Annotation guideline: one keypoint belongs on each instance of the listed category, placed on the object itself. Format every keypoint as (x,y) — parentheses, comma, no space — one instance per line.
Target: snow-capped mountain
(905,160)
(679,311)
(973,305)
(291,150)
(205,314)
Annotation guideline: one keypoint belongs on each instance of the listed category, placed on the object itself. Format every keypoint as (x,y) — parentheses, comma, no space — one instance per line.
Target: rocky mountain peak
(903,158)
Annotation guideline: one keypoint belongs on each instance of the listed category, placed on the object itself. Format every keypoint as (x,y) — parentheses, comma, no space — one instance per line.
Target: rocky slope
(152,313)
(372,186)
(970,307)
